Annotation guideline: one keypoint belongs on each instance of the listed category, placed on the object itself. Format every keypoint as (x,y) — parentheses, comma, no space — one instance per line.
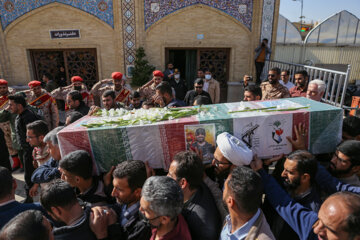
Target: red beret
(117,75)
(34,84)
(158,73)
(3,82)
(76,79)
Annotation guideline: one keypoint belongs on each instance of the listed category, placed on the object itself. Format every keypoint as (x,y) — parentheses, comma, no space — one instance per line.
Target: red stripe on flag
(302,116)
(172,135)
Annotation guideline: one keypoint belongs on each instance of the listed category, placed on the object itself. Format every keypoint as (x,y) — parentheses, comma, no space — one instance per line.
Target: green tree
(142,69)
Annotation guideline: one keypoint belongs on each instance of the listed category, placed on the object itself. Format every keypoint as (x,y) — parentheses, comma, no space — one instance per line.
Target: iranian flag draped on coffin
(262,125)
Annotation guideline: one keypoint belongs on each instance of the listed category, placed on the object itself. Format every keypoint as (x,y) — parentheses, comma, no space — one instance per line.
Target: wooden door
(217,61)
(83,63)
(46,61)
(77,62)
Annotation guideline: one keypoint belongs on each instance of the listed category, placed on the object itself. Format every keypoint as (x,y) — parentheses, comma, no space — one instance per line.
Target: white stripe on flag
(145,145)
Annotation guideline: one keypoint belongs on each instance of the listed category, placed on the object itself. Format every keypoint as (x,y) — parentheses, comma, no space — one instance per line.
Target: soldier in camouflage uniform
(122,93)
(272,89)
(148,91)
(44,103)
(6,117)
(77,84)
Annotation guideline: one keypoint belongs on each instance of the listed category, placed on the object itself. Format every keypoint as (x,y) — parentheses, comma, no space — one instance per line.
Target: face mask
(207,76)
(78,88)
(177,76)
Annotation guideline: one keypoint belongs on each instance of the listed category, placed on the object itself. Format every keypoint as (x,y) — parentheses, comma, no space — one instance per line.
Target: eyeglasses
(271,75)
(217,163)
(340,159)
(30,137)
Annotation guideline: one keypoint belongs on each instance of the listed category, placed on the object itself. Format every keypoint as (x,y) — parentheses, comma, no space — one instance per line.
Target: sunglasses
(271,75)
(198,87)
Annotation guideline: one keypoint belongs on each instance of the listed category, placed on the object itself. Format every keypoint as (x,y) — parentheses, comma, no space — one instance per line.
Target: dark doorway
(185,61)
(188,61)
(77,62)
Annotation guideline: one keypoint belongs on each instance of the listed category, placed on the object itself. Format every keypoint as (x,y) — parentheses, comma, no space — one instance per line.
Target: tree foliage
(142,70)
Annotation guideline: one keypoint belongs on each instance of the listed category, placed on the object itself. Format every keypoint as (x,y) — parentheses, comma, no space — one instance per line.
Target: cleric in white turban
(230,152)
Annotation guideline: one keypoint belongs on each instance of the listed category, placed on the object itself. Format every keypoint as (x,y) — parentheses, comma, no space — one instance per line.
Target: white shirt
(288,85)
(206,86)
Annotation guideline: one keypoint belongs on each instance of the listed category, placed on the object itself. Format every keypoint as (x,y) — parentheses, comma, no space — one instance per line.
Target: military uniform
(46,107)
(122,96)
(148,92)
(5,119)
(61,93)
(276,91)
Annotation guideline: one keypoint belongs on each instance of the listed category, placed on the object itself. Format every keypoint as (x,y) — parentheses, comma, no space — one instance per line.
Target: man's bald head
(339,217)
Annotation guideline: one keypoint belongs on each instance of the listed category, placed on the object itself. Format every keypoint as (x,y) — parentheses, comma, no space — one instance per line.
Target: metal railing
(336,81)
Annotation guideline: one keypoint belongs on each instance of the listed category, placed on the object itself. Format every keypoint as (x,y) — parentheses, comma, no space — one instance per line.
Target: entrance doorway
(188,61)
(77,62)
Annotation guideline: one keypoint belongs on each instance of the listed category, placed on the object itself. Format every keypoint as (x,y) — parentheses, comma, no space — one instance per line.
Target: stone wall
(178,28)
(31,31)
(220,30)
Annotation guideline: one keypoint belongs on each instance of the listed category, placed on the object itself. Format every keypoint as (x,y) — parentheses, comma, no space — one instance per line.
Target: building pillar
(267,28)
(129,34)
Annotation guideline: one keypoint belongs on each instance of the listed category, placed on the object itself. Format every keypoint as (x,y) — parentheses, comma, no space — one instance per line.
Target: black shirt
(21,121)
(180,88)
(82,108)
(192,94)
(202,215)
(79,231)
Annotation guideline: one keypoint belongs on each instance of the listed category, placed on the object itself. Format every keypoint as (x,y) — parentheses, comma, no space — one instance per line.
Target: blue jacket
(331,184)
(46,172)
(10,210)
(300,218)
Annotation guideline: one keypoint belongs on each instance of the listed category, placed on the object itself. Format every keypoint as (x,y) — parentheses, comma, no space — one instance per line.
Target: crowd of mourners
(234,195)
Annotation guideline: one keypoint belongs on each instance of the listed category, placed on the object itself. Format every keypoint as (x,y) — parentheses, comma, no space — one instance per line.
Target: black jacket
(79,231)
(192,94)
(134,229)
(202,215)
(180,89)
(21,121)
(166,73)
(98,194)
(82,108)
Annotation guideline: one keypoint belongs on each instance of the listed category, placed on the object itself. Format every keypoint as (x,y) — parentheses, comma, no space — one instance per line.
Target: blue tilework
(230,7)
(10,10)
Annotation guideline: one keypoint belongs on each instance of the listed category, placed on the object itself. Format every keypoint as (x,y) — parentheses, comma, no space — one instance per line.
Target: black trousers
(259,68)
(28,167)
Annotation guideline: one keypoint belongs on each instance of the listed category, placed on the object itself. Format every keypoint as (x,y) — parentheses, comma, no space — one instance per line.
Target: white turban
(234,149)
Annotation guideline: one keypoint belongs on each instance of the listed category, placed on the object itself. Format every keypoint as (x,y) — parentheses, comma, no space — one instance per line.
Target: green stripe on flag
(218,115)
(110,146)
